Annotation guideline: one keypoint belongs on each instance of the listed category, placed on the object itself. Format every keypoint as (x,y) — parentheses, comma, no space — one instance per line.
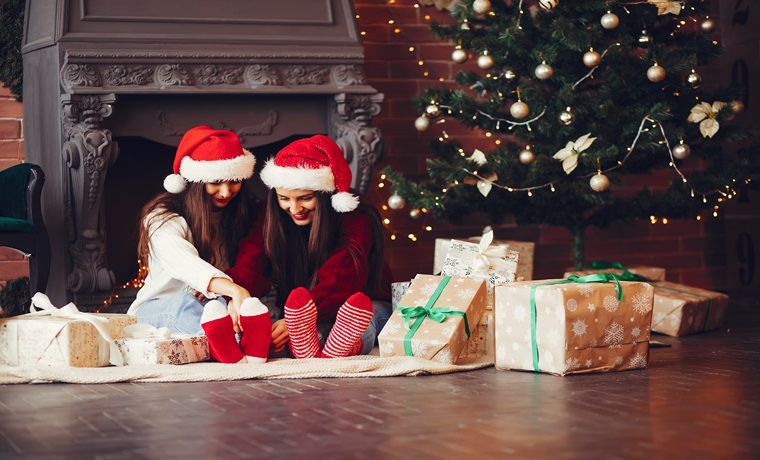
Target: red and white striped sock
(217,324)
(352,321)
(257,330)
(301,320)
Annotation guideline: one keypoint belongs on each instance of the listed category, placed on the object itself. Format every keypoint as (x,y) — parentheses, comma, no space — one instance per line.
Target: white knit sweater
(174,264)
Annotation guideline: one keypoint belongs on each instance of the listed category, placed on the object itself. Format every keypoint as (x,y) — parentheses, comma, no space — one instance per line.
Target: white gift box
(147,345)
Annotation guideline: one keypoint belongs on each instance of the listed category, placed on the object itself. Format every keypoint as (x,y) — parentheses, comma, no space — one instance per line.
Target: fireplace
(109,90)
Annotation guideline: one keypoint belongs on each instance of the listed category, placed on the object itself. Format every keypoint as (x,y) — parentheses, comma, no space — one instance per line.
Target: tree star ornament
(666,6)
(706,114)
(569,155)
(486,183)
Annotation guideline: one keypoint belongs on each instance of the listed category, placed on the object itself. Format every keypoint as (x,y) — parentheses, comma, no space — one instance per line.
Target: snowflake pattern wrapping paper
(580,327)
(481,339)
(179,349)
(397,292)
(53,341)
(683,310)
(650,273)
(524,248)
(461,261)
(443,341)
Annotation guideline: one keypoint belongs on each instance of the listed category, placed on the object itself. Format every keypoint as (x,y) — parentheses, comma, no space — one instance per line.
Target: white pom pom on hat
(315,163)
(209,155)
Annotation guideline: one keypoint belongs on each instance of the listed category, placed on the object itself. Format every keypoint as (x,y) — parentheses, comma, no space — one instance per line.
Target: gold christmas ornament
(681,151)
(694,80)
(566,117)
(736,106)
(599,182)
(459,55)
(433,110)
(544,71)
(610,20)
(396,202)
(481,6)
(415,214)
(591,58)
(485,61)
(422,123)
(708,25)
(656,73)
(527,157)
(519,110)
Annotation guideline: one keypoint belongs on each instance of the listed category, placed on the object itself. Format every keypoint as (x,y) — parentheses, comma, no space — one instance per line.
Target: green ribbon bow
(625,276)
(709,302)
(437,314)
(593,278)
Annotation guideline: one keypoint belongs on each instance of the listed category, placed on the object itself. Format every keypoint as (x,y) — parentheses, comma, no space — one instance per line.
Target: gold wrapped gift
(481,339)
(683,310)
(617,268)
(434,319)
(577,325)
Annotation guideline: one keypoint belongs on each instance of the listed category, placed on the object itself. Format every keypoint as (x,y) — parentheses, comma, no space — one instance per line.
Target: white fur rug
(353,367)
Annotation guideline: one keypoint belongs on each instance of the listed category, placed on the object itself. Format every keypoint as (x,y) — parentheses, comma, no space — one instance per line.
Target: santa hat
(315,163)
(209,155)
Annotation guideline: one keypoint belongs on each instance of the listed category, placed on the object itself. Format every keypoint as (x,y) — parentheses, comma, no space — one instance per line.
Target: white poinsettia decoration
(569,155)
(486,183)
(478,157)
(706,114)
(667,6)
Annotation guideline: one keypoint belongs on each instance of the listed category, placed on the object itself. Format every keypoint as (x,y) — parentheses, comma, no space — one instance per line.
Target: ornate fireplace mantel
(95,71)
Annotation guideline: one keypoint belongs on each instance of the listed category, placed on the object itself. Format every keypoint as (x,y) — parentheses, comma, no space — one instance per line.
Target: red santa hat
(209,155)
(315,163)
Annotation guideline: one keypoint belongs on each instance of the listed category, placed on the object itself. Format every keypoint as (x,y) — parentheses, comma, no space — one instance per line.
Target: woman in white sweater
(189,236)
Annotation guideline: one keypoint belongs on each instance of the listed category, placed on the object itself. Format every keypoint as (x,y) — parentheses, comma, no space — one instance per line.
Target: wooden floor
(699,398)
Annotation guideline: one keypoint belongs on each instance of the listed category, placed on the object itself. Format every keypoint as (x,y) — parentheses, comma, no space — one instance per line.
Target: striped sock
(301,320)
(352,320)
(257,330)
(217,324)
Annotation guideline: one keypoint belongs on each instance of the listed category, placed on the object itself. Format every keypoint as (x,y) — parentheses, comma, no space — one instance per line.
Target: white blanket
(355,366)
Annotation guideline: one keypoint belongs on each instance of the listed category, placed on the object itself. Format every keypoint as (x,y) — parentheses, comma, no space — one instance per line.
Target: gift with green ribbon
(631,272)
(592,323)
(682,310)
(434,318)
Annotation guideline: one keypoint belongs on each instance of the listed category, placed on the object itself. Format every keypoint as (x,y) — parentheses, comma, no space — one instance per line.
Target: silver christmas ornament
(708,25)
(694,80)
(644,39)
(459,56)
(736,106)
(396,202)
(415,213)
(433,110)
(527,157)
(485,61)
(656,73)
(681,151)
(566,117)
(510,75)
(610,20)
(548,4)
(481,6)
(544,71)
(591,58)
(519,109)
(599,182)
(422,123)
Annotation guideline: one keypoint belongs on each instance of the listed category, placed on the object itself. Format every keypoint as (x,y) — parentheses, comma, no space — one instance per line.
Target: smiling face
(298,204)
(221,193)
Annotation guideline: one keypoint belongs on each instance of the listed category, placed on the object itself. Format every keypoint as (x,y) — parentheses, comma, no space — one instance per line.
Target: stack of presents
(484,303)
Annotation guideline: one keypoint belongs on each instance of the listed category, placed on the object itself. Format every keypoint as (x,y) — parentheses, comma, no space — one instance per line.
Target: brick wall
(12,263)
(693,252)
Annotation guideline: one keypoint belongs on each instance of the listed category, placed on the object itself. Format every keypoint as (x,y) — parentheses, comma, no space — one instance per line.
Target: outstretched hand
(279,336)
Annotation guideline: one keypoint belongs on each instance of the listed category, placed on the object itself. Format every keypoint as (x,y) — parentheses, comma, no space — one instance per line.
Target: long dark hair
(296,253)
(195,206)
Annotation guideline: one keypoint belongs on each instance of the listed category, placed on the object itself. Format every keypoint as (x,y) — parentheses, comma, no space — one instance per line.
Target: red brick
(5,164)
(7,254)
(10,108)
(11,149)
(10,129)
(13,269)
(5,92)
(376,70)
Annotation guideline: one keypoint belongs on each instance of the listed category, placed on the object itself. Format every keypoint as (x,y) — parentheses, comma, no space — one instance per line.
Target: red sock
(257,330)
(352,321)
(217,324)
(301,320)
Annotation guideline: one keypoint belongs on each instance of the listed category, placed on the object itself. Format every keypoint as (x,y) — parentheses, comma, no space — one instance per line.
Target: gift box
(573,326)
(525,249)
(616,268)
(434,319)
(61,337)
(147,345)
(496,264)
(397,292)
(683,310)
(481,339)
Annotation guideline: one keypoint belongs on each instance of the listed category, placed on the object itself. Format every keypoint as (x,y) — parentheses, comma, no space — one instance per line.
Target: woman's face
(221,193)
(299,204)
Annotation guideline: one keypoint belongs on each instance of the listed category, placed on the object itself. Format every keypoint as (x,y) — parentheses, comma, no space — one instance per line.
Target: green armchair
(21,225)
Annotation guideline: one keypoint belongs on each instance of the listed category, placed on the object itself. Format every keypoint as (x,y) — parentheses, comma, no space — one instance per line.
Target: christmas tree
(587,94)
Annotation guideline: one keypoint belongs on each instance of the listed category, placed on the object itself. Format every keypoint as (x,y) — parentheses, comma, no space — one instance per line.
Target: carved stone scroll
(88,151)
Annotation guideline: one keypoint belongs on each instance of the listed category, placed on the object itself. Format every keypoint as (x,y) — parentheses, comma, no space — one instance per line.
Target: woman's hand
(279,336)
(236,293)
